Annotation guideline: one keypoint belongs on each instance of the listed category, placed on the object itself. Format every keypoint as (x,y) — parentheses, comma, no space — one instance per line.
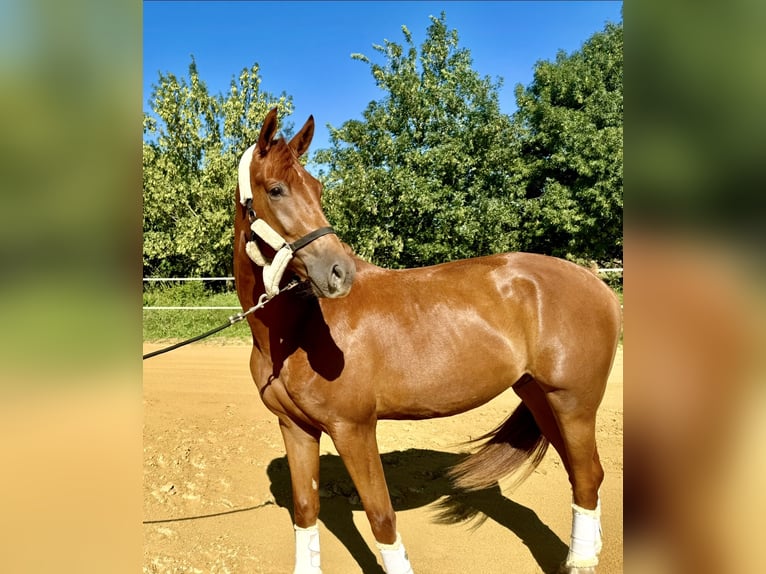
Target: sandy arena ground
(217,487)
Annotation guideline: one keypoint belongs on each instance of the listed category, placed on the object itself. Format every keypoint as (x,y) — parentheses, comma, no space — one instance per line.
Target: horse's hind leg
(577,424)
(302,448)
(575,412)
(586,529)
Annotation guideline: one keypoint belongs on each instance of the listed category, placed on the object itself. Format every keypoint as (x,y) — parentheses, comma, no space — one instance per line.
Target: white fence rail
(182,279)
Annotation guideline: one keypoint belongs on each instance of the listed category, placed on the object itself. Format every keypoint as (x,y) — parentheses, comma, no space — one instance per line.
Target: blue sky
(304,48)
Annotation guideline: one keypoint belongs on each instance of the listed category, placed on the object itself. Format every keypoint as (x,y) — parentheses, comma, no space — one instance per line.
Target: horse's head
(275,189)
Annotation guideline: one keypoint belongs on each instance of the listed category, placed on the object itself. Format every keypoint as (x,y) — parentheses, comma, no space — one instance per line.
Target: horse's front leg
(358,447)
(303,457)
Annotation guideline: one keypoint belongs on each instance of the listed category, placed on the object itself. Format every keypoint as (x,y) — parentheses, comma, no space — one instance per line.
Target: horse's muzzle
(328,267)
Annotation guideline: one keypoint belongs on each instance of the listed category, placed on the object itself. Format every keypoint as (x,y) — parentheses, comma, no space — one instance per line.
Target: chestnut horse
(413,344)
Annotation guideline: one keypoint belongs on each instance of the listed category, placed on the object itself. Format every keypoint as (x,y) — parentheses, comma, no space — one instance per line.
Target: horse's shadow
(417,478)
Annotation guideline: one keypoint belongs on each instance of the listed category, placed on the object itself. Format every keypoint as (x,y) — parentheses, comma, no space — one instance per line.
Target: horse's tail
(516,445)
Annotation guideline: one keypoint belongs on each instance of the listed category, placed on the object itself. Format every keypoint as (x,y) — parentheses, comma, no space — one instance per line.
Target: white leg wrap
(307,550)
(586,537)
(394,556)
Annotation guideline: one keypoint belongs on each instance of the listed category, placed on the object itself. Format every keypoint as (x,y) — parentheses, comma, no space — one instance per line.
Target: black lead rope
(182,343)
(232,320)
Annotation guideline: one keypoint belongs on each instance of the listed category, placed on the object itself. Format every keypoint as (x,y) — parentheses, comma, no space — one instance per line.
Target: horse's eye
(275,192)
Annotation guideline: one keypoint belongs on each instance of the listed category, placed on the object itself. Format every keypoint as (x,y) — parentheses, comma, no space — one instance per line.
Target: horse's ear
(268,130)
(302,140)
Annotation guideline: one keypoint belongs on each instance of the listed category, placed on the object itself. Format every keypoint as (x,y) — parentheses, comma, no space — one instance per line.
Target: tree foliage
(432,172)
(436,172)
(192,143)
(425,176)
(570,123)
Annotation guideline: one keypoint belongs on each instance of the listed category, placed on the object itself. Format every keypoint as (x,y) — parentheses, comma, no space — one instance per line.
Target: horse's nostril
(337,277)
(340,275)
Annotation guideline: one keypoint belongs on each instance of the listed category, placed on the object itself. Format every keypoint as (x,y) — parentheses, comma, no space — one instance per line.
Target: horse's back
(515,279)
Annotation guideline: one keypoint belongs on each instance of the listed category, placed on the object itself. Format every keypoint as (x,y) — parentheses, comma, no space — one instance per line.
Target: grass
(165,325)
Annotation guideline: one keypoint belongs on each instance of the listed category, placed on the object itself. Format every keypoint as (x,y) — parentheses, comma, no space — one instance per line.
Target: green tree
(192,143)
(570,123)
(427,176)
